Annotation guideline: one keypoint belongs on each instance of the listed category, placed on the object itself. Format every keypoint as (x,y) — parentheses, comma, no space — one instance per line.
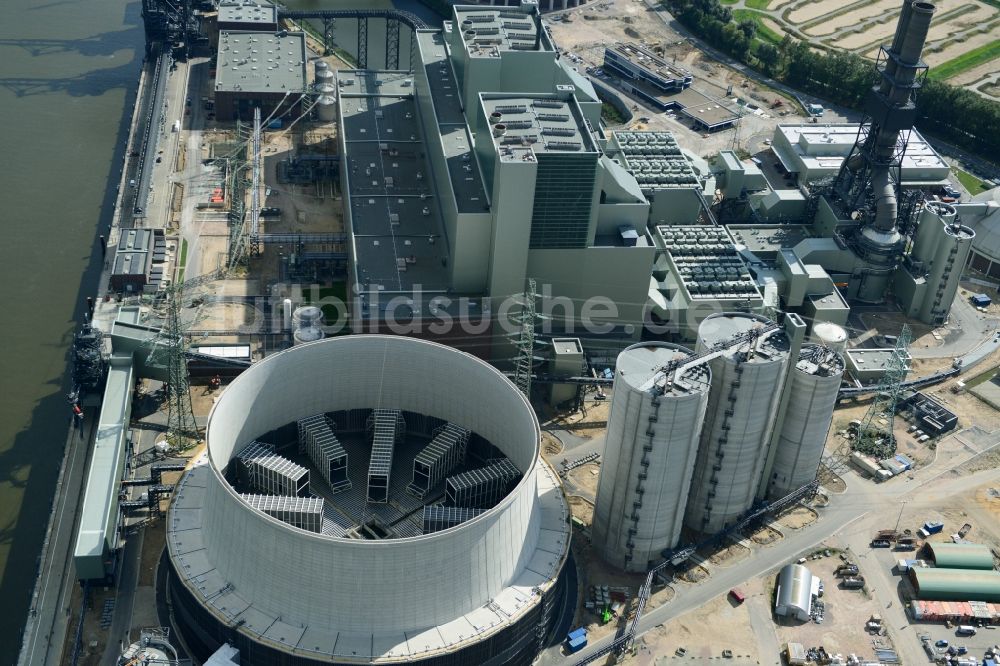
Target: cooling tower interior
(369,499)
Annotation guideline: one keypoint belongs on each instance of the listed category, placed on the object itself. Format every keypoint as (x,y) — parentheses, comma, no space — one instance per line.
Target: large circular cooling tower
(243,576)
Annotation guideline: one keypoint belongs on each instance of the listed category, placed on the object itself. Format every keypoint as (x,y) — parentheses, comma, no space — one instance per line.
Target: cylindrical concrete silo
(812,396)
(656,416)
(747,380)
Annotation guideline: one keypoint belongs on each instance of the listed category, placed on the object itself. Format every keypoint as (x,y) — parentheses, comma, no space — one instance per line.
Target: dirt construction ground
(594,26)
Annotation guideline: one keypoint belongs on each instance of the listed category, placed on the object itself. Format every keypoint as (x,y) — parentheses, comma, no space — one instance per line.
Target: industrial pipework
(869,180)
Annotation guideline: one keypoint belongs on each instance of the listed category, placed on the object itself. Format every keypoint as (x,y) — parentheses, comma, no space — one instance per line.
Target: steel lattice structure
(169,351)
(526,340)
(873,437)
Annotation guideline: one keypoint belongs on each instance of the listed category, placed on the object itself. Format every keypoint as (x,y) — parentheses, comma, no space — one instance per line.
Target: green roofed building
(961,556)
(955,584)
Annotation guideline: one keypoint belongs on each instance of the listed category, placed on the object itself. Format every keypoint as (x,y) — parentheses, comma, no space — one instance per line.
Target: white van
(965,630)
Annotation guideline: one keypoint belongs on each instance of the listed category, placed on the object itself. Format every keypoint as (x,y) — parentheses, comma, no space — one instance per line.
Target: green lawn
(758,4)
(182,262)
(611,115)
(332,300)
(971,183)
(729,2)
(966,61)
(764,33)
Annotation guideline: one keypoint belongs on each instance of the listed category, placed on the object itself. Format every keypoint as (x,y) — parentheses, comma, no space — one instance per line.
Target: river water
(68,76)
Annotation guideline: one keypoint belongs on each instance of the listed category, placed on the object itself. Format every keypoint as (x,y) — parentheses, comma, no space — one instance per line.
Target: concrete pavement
(852,516)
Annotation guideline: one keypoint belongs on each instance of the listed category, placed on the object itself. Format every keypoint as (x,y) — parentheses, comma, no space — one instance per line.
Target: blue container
(577,644)
(933,528)
(576,633)
(274,124)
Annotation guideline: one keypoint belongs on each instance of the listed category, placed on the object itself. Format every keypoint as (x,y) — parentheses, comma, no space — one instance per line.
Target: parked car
(941,643)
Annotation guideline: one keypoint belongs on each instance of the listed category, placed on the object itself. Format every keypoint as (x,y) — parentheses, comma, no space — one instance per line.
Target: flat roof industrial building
(817,151)
(264,69)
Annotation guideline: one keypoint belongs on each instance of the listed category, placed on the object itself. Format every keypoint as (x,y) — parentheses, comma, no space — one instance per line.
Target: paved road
(852,516)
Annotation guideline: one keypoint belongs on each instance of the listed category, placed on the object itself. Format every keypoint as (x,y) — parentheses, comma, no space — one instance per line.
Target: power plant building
(656,417)
(259,69)
(294,580)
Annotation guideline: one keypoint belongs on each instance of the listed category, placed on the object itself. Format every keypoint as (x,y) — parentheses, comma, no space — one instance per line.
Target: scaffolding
(273,474)
(445,452)
(384,426)
(303,512)
(875,436)
(437,517)
(318,441)
(481,488)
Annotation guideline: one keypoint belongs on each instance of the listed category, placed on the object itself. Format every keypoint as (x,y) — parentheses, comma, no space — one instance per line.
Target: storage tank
(812,396)
(951,251)
(747,380)
(307,315)
(326,102)
(656,416)
(324,75)
(307,334)
(830,335)
(930,221)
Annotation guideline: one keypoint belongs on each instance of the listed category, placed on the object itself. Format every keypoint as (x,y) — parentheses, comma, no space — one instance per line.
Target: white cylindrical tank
(286,314)
(950,254)
(830,335)
(306,316)
(307,334)
(929,224)
(651,445)
(812,396)
(326,102)
(747,380)
(323,73)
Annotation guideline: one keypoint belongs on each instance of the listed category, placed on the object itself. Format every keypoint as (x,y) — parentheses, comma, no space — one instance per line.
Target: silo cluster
(694,438)
(326,93)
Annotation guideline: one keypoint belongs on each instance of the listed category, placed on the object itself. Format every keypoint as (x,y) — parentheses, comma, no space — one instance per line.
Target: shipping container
(933,527)
(577,644)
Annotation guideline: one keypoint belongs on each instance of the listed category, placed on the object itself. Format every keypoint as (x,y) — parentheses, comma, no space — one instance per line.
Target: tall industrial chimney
(869,180)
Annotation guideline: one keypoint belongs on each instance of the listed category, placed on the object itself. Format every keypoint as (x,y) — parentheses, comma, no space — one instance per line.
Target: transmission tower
(169,351)
(875,435)
(525,342)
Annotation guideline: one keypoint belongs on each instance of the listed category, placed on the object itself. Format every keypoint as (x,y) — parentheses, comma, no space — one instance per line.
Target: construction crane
(168,350)
(875,436)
